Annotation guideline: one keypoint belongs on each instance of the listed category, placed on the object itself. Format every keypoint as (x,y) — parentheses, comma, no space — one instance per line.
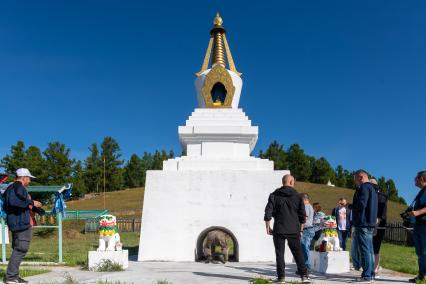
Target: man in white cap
(17,206)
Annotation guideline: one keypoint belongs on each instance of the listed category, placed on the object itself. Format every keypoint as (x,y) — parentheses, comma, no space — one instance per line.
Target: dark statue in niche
(218,94)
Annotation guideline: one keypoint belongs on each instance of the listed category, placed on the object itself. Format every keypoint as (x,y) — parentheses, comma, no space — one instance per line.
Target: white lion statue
(109,239)
(329,240)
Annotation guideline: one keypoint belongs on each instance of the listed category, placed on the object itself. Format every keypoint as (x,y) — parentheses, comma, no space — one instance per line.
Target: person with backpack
(17,205)
(419,233)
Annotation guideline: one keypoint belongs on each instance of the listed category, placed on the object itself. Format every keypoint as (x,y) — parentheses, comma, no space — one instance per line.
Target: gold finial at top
(218,20)
(218,49)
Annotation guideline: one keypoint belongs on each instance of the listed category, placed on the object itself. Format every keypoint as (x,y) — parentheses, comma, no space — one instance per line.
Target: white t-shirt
(342,219)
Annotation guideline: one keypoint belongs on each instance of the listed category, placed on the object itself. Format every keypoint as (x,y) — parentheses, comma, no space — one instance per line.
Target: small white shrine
(217,184)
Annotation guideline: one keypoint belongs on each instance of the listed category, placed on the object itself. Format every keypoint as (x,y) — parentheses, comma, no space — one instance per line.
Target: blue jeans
(364,240)
(419,237)
(308,235)
(343,236)
(354,251)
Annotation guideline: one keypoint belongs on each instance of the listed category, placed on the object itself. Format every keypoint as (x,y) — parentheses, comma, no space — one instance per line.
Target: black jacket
(288,210)
(419,203)
(382,207)
(16,203)
(364,207)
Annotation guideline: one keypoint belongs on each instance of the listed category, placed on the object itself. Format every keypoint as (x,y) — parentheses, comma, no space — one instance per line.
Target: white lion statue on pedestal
(109,239)
(329,239)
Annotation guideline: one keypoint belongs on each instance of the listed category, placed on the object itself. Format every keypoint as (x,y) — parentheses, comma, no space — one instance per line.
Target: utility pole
(104,184)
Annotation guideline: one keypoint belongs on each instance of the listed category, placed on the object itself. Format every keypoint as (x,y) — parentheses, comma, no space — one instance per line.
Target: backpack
(3,187)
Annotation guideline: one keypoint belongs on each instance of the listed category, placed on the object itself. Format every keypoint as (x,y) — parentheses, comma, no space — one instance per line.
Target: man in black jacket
(17,207)
(286,206)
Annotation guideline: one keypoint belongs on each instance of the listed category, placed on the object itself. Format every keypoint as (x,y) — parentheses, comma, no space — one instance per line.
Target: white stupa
(217,184)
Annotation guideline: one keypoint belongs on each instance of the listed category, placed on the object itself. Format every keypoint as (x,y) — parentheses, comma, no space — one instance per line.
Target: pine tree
(16,159)
(79,187)
(171,154)
(93,170)
(323,172)
(391,191)
(134,172)
(382,184)
(298,163)
(59,166)
(35,162)
(277,154)
(147,162)
(110,158)
(156,161)
(350,183)
(340,176)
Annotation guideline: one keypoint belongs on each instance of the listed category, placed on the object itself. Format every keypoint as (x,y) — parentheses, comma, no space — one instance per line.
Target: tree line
(54,166)
(309,169)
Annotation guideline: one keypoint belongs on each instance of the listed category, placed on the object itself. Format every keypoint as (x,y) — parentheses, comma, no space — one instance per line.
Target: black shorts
(377,240)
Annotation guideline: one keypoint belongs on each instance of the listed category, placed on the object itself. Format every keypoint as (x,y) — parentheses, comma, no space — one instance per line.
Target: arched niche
(233,255)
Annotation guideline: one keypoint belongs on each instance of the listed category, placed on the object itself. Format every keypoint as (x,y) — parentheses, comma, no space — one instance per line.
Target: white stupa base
(332,262)
(96,258)
(219,133)
(188,163)
(180,205)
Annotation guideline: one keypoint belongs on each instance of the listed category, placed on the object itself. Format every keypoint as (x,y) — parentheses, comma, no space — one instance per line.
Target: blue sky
(344,79)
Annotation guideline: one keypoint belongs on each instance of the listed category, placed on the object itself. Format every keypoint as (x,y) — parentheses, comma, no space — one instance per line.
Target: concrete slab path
(185,273)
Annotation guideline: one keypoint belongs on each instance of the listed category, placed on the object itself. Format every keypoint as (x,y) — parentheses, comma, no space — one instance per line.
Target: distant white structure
(217,184)
(330,184)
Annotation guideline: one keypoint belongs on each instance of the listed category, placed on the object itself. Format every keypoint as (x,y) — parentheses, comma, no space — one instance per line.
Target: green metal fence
(84,214)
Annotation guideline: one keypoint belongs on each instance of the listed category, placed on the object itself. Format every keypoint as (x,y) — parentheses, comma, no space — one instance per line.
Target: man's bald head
(288,180)
(360,177)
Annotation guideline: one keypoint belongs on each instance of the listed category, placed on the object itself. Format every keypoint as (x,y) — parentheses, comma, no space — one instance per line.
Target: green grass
(109,266)
(399,258)
(75,247)
(395,257)
(23,272)
(260,280)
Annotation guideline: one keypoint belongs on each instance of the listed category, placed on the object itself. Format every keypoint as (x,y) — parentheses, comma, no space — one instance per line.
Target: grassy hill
(124,203)
(128,203)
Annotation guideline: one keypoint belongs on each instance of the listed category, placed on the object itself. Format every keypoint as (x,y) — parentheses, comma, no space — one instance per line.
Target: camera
(407,220)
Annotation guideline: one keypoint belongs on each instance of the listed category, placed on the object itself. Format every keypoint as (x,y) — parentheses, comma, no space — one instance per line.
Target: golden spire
(220,47)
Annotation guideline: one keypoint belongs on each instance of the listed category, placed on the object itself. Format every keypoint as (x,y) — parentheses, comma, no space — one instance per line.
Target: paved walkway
(188,273)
